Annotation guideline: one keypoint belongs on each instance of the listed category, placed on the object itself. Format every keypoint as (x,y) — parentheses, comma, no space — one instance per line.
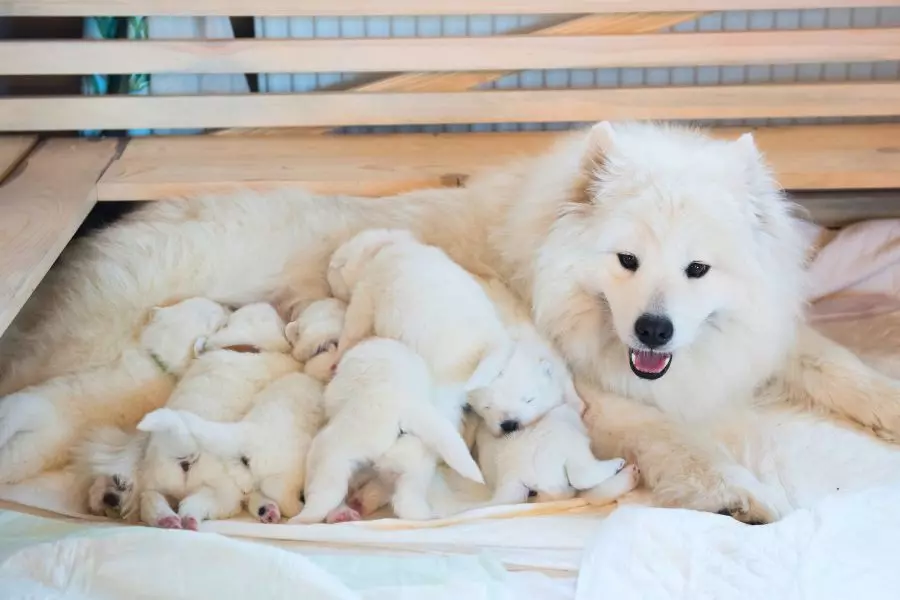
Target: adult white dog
(644,251)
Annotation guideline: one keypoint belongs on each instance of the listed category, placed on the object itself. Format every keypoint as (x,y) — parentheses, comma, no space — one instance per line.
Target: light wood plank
(83,8)
(336,109)
(40,210)
(12,150)
(813,157)
(460,81)
(515,52)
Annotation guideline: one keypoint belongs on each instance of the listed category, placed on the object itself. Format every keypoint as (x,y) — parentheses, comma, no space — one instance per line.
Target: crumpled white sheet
(49,559)
(845,548)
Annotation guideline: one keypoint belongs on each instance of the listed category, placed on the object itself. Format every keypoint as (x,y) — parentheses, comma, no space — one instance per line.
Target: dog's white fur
(273,439)
(549,460)
(399,288)
(383,408)
(32,436)
(548,226)
(220,385)
(314,335)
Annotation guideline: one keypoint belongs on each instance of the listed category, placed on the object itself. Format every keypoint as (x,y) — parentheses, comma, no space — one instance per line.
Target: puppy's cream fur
(399,288)
(549,226)
(33,435)
(272,439)
(314,335)
(384,409)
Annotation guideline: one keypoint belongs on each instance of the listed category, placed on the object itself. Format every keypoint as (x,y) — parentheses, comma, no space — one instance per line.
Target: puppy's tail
(221,439)
(439,434)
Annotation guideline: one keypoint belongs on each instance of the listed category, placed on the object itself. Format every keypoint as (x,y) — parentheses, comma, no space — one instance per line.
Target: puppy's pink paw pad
(269,513)
(190,523)
(342,515)
(171,522)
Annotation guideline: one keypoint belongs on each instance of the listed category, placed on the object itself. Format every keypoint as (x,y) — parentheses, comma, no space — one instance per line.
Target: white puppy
(549,460)
(271,441)
(139,381)
(236,363)
(315,335)
(383,408)
(399,288)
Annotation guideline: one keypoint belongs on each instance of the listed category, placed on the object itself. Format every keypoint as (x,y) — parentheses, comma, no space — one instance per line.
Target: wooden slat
(337,109)
(12,150)
(40,209)
(813,157)
(460,81)
(516,52)
(82,8)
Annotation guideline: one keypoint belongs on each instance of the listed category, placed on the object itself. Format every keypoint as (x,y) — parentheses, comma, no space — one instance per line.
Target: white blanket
(846,548)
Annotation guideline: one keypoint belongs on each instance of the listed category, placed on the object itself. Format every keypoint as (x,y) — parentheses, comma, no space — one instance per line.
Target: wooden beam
(507,52)
(40,209)
(837,209)
(262,8)
(804,158)
(551,106)
(12,150)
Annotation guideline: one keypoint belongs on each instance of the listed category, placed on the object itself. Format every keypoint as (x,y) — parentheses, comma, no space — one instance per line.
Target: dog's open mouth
(648,364)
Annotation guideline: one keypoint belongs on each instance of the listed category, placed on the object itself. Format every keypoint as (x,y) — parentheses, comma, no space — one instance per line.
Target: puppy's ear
(199,346)
(489,368)
(290,332)
(160,420)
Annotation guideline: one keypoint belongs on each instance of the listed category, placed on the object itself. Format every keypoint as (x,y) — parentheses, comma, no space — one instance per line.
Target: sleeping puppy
(549,460)
(383,409)
(106,459)
(314,336)
(398,288)
(235,364)
(271,441)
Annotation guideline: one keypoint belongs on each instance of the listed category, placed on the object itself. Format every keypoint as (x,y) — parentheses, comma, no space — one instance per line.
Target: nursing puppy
(314,336)
(235,364)
(35,420)
(384,409)
(398,288)
(271,441)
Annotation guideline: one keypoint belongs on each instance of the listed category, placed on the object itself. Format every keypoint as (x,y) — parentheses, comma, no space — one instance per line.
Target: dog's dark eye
(532,494)
(696,270)
(629,262)
(245,460)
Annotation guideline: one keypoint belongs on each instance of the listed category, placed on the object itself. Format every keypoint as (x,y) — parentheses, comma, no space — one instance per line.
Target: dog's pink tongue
(649,362)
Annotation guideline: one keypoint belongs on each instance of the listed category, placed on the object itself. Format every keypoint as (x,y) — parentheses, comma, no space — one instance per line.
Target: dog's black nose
(654,330)
(185,465)
(111,500)
(509,426)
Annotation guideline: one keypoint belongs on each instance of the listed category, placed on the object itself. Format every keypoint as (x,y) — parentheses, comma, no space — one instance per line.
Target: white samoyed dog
(34,421)
(607,226)
(384,409)
(235,363)
(271,441)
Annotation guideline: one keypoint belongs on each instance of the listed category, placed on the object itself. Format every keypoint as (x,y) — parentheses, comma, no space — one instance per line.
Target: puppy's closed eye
(528,400)
(329,346)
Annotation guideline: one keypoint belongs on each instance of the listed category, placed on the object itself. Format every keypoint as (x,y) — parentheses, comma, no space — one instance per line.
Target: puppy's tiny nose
(509,426)
(111,500)
(185,465)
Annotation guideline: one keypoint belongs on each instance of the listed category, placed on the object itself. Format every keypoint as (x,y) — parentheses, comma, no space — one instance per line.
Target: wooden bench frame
(48,186)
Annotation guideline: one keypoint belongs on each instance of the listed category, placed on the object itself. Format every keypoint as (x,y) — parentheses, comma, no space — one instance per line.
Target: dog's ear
(770,209)
(160,420)
(199,346)
(490,367)
(290,332)
(598,143)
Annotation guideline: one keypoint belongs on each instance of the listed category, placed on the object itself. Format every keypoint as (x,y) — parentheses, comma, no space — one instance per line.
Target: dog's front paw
(190,523)
(268,513)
